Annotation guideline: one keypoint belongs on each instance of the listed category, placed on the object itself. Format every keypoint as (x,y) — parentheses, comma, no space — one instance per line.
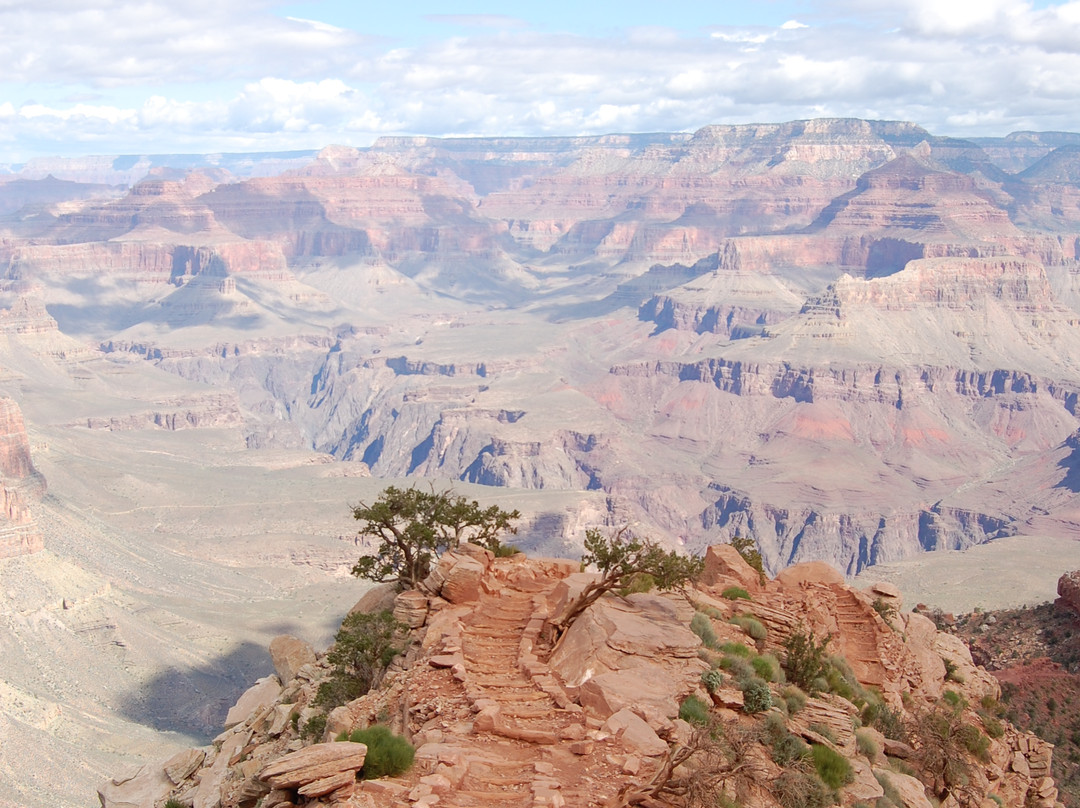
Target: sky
(155,76)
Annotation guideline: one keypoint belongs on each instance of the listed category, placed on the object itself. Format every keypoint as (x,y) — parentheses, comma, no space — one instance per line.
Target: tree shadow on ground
(194,701)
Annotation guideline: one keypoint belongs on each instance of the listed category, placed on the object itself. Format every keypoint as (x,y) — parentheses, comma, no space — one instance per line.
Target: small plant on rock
(388,755)
(757,698)
(735,593)
(833,768)
(694,711)
(712,680)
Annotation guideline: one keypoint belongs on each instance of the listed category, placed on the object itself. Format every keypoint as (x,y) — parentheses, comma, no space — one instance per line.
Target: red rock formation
(20,485)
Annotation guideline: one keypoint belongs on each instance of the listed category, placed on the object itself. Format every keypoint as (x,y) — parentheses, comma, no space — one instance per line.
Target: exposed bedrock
(20,485)
(850,540)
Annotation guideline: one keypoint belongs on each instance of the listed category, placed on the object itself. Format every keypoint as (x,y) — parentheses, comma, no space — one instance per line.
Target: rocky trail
(523,747)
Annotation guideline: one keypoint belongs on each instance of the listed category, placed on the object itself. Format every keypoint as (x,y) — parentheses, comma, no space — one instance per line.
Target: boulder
(288,654)
(647,688)
(1068,589)
(411,608)
(259,695)
(614,634)
(911,790)
(138,788)
(634,733)
(314,765)
(379,598)
(725,567)
(182,765)
(462,584)
(810,572)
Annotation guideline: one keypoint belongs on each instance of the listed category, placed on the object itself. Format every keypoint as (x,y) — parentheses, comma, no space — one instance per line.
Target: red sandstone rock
(1068,589)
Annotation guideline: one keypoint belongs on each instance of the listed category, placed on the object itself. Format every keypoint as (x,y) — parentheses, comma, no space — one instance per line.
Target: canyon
(851,341)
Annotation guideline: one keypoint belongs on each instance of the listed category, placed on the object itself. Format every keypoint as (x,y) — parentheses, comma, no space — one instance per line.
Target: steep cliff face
(20,485)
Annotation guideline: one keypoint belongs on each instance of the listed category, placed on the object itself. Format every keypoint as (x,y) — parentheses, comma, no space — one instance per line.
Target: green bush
(363,649)
(757,698)
(694,711)
(740,669)
(885,609)
(638,584)
(767,667)
(736,649)
(751,625)
(832,767)
(787,748)
(972,739)
(712,680)
(954,700)
(952,671)
(884,719)
(992,725)
(700,625)
(804,662)
(315,727)
(866,743)
(735,593)
(174,803)
(506,550)
(794,698)
(388,755)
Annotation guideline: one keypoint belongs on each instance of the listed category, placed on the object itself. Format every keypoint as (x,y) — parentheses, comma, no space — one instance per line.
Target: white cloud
(956,68)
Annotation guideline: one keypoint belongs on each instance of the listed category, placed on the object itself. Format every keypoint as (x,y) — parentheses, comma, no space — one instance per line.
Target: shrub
(804,662)
(954,700)
(751,625)
(823,731)
(885,609)
(798,788)
(757,698)
(694,711)
(315,727)
(640,583)
(388,754)
(794,698)
(992,725)
(884,719)
(866,743)
(700,625)
(832,767)
(363,649)
(787,748)
(506,550)
(712,680)
(735,593)
(736,649)
(972,739)
(767,667)
(172,802)
(740,669)
(952,672)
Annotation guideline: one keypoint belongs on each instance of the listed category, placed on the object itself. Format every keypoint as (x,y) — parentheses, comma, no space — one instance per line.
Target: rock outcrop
(20,485)
(498,715)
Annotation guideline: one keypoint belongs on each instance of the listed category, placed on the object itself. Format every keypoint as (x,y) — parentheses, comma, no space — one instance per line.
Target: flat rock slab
(314,763)
(261,694)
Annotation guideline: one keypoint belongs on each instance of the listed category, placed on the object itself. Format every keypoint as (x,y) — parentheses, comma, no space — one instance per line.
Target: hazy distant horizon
(249,75)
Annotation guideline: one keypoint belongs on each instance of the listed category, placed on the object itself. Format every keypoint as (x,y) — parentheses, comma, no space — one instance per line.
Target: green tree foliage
(805,660)
(749,551)
(414,527)
(363,649)
(619,558)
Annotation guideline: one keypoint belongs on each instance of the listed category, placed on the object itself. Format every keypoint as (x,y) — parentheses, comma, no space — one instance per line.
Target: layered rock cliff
(20,485)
